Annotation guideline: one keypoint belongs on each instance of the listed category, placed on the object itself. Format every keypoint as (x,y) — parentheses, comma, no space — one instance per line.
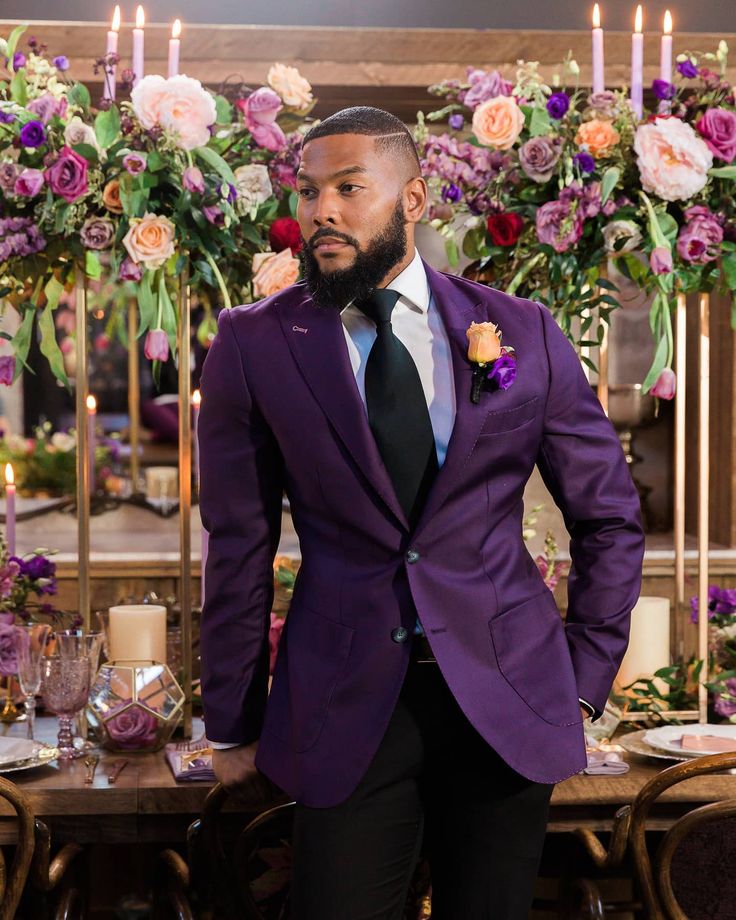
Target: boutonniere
(494,364)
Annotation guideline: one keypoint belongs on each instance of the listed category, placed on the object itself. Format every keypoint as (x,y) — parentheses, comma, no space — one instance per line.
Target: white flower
(253,185)
(293,88)
(77,132)
(180,105)
(17,444)
(621,229)
(63,441)
(673,161)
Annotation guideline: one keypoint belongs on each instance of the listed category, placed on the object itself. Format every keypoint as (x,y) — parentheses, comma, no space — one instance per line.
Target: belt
(421,650)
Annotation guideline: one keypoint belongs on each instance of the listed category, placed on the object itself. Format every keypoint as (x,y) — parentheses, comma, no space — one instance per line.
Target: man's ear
(415,199)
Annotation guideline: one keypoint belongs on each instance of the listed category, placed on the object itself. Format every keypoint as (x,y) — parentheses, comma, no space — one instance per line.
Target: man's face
(351,217)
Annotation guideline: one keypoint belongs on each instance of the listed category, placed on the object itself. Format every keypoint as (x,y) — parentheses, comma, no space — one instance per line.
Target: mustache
(321,234)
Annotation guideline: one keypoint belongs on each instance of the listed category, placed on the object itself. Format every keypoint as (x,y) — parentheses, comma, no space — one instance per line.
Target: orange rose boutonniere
(494,364)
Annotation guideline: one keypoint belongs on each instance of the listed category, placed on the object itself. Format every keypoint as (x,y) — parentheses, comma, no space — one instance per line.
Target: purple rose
(503,372)
(700,239)
(157,345)
(456,121)
(660,260)
(269,137)
(19,60)
(584,162)
(193,180)
(603,103)
(61,62)
(29,183)
(557,105)
(559,224)
(664,90)
(8,649)
(129,270)
(484,85)
(665,384)
(134,728)
(7,369)
(538,157)
(717,127)
(261,107)
(33,134)
(134,163)
(45,106)
(214,215)
(687,69)
(67,176)
(97,233)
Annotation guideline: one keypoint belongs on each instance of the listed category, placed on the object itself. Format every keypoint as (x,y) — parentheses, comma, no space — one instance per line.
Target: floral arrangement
(542,185)
(173,176)
(47,462)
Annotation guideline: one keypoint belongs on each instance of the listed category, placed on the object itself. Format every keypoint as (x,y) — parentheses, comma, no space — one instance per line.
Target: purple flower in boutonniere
(494,365)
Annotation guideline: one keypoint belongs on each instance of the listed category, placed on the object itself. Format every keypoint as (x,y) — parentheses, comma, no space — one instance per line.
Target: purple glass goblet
(65,688)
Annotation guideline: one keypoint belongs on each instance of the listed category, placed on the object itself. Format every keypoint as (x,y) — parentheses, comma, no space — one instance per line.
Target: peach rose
(485,342)
(598,135)
(180,105)
(498,122)
(146,99)
(272,272)
(293,88)
(111,197)
(150,240)
(673,161)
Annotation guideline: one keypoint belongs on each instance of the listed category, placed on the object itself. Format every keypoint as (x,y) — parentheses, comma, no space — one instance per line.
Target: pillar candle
(92,440)
(665,57)
(10,508)
(637,66)
(649,641)
(138,45)
(108,89)
(174,44)
(599,82)
(138,633)
(196,403)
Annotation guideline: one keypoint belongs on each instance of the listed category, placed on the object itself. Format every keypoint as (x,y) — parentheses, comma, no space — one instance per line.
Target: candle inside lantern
(138,633)
(637,66)
(10,508)
(138,45)
(174,45)
(91,439)
(108,89)
(649,641)
(665,57)
(599,82)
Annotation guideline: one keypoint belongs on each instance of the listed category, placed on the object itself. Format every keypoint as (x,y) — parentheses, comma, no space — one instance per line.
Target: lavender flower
(8,649)
(503,372)
(584,162)
(7,369)
(61,62)
(19,60)
(19,236)
(721,602)
(33,134)
(687,69)
(456,121)
(484,85)
(559,224)
(663,89)
(8,175)
(558,105)
(44,107)
(232,193)
(214,215)
(6,118)
(451,193)
(725,703)
(135,163)
(193,180)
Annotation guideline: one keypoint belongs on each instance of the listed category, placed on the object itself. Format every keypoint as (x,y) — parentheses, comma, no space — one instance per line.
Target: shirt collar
(411,283)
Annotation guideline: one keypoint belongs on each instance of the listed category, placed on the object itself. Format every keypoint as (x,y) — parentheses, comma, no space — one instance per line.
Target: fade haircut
(392,136)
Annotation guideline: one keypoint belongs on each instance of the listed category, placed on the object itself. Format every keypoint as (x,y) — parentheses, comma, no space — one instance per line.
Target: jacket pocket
(533,656)
(509,419)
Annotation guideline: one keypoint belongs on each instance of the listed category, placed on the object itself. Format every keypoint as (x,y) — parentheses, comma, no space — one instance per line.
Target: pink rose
(498,122)
(193,180)
(261,107)
(180,105)
(44,107)
(559,225)
(718,129)
(269,137)
(133,729)
(665,385)
(660,260)
(129,271)
(150,240)
(673,161)
(157,345)
(29,182)
(272,272)
(67,176)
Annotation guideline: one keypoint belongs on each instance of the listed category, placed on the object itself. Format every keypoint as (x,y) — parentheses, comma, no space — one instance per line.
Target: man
(426,690)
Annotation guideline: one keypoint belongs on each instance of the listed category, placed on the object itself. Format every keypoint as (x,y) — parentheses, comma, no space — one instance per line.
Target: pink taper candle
(599,81)
(91,440)
(665,57)
(174,44)
(637,66)
(196,403)
(108,89)
(10,508)
(138,45)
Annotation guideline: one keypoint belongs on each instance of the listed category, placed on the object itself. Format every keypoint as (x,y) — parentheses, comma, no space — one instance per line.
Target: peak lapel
(317,341)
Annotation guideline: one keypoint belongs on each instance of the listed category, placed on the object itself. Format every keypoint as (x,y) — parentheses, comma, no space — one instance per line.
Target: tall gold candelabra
(83,457)
(185,493)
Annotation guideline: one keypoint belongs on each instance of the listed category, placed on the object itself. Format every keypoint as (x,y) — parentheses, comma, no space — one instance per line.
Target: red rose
(504,229)
(285,234)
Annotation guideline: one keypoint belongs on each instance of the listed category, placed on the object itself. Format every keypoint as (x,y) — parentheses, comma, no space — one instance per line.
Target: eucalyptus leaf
(723,172)
(217,163)
(79,95)
(660,357)
(13,40)
(49,346)
(107,126)
(224,110)
(22,339)
(19,88)
(146,302)
(609,180)
(87,151)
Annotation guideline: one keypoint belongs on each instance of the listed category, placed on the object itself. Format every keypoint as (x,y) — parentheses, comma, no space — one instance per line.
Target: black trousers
(434,786)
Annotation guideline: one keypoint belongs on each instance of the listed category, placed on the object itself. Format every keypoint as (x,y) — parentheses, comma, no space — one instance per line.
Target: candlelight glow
(196,399)
(116,20)
(638,19)
(9,474)
(176,29)
(139,18)
(91,404)
(596,17)
(667,22)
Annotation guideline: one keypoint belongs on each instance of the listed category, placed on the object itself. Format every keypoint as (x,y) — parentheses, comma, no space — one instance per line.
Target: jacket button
(412,556)
(400,634)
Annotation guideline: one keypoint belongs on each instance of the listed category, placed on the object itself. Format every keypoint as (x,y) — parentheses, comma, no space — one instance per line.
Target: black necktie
(397,408)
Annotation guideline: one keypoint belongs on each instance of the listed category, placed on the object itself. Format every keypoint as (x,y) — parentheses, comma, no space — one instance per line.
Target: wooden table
(147,805)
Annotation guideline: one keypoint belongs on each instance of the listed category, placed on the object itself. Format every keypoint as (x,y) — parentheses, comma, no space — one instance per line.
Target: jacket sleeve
(241,475)
(584,469)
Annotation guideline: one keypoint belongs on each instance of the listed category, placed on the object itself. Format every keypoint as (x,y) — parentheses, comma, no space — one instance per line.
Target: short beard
(338,288)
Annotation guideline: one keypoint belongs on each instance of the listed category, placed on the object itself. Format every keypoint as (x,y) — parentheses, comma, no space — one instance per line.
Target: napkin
(603,761)
(191,761)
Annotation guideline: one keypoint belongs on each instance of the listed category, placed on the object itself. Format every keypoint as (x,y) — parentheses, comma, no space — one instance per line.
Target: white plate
(13,750)
(634,743)
(667,737)
(44,755)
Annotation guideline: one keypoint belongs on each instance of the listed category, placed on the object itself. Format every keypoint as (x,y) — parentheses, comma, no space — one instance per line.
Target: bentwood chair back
(13,881)
(690,876)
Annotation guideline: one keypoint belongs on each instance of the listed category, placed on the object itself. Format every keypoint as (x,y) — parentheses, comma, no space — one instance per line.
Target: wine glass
(32,639)
(76,643)
(65,688)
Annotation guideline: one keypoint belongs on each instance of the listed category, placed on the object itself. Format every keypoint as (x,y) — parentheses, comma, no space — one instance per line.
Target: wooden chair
(666,880)
(52,891)
(13,882)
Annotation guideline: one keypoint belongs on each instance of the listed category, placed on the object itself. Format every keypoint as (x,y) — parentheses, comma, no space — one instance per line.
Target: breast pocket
(503,420)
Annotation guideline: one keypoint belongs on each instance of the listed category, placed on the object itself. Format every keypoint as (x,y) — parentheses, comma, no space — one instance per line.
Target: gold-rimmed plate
(634,743)
(44,755)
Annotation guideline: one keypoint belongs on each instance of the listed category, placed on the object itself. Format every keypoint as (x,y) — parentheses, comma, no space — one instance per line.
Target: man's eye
(305,192)
(348,185)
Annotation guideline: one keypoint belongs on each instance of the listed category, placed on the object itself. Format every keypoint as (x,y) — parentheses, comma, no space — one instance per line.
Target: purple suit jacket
(281,411)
